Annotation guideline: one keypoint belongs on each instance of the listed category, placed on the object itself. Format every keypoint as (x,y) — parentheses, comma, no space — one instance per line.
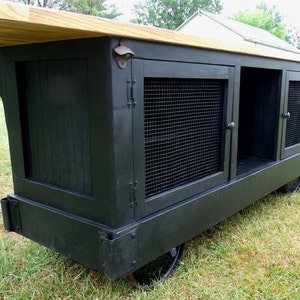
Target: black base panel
(118,252)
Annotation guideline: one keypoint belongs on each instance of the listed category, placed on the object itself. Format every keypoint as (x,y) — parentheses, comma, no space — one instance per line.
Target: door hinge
(131,93)
(132,194)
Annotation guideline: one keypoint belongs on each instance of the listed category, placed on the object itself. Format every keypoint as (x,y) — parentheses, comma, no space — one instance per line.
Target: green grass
(5,168)
(253,255)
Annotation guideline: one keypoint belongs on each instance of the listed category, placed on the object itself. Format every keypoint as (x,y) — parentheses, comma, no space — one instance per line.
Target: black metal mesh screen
(183,131)
(293,124)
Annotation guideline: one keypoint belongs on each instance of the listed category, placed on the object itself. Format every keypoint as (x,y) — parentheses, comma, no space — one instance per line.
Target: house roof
(206,24)
(22,24)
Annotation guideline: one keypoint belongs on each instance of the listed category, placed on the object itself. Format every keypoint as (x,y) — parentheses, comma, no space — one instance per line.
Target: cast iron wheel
(292,186)
(158,269)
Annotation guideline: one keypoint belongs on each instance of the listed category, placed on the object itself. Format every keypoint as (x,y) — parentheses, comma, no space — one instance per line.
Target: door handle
(230,125)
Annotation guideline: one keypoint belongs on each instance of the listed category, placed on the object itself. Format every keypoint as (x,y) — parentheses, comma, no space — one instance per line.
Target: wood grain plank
(21,24)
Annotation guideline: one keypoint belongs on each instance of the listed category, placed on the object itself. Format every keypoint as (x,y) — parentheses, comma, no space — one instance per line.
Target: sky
(288,8)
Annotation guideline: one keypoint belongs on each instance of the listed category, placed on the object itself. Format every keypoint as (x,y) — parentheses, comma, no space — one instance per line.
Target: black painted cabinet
(112,160)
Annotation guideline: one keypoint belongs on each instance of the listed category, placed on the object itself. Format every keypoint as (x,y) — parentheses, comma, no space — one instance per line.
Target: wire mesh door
(181,141)
(291,115)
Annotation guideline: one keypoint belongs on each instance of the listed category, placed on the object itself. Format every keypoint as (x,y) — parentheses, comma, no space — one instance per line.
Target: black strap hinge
(131,93)
(132,194)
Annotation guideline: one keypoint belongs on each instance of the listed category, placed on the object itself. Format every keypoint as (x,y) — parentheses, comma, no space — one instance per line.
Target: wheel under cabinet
(292,186)
(159,269)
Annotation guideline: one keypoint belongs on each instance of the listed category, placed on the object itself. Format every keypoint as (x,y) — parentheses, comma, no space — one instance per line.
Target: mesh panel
(183,131)
(293,124)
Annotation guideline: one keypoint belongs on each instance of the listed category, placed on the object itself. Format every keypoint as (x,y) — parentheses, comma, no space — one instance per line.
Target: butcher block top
(22,24)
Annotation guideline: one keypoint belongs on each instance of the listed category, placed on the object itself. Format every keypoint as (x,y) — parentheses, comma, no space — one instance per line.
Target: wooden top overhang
(22,24)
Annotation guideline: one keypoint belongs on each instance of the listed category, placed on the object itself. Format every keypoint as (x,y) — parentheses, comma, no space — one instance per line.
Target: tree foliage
(264,17)
(88,7)
(91,7)
(170,14)
(293,35)
(41,3)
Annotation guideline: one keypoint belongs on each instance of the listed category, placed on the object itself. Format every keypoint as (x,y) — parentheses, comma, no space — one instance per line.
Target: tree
(91,7)
(41,3)
(170,14)
(265,18)
(293,35)
(88,7)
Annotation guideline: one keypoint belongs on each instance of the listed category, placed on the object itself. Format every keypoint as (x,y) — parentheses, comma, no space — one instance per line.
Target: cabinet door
(181,142)
(58,120)
(291,115)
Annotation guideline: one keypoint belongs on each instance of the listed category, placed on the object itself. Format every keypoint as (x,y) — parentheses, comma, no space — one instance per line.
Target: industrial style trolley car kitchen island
(126,141)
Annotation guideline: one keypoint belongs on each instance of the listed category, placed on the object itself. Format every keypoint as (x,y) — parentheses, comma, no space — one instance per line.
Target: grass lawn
(253,255)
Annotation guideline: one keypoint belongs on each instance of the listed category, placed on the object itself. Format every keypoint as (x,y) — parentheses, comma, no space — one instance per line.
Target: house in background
(218,27)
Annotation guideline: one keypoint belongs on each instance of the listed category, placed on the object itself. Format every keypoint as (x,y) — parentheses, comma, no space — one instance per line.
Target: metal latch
(11,215)
(124,54)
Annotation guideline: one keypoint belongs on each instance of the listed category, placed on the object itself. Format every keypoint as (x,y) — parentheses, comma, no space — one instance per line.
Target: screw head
(173,252)
(133,263)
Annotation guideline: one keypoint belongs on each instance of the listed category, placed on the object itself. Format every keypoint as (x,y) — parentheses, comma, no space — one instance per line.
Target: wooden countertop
(22,24)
